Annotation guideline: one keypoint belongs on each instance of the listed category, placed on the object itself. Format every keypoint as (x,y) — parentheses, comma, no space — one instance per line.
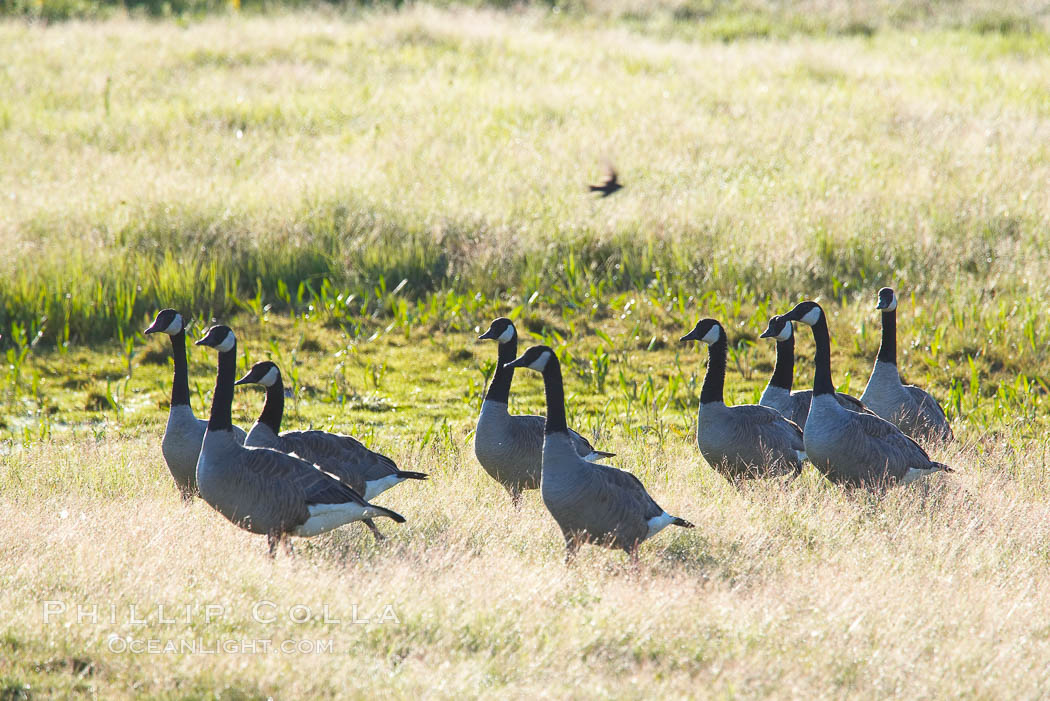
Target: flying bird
(610,185)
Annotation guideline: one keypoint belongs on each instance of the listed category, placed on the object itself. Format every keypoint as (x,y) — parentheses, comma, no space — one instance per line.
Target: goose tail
(381,511)
(412,475)
(681,522)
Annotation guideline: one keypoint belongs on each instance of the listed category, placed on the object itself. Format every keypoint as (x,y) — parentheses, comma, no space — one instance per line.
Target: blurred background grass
(202,163)
(422,170)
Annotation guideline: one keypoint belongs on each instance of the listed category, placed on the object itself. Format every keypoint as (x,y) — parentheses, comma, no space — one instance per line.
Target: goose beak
(516,363)
(691,336)
(247,379)
(489,335)
(881,305)
(768,333)
(153,328)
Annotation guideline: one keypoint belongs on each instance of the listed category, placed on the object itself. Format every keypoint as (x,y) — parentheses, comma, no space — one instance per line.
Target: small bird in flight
(609,185)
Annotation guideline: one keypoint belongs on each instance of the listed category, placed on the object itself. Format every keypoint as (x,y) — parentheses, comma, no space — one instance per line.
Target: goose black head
(168,321)
(887,300)
(502,330)
(265,373)
(779,328)
(707,331)
(220,338)
(535,358)
(808,312)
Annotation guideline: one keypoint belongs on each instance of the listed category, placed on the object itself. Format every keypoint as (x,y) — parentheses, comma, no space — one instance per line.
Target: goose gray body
(749,440)
(263,490)
(184,432)
(509,447)
(794,406)
(742,441)
(344,457)
(589,502)
(368,472)
(596,503)
(911,409)
(859,449)
(862,449)
(181,445)
(268,492)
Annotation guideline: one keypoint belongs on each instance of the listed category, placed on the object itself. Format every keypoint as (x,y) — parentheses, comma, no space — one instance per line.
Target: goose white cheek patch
(713,335)
(508,333)
(227,343)
(541,362)
(175,326)
(812,316)
(892,306)
(785,333)
(270,378)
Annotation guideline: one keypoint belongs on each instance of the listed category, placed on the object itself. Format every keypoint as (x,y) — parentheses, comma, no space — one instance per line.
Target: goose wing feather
(798,406)
(876,441)
(608,504)
(767,425)
(344,456)
(848,401)
(271,491)
(529,430)
(632,492)
(930,408)
(300,479)
(582,445)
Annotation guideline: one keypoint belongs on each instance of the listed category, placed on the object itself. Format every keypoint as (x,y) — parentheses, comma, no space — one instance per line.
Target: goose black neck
(888,349)
(822,383)
(715,379)
(273,408)
(784,370)
(555,393)
(499,389)
(221,418)
(180,386)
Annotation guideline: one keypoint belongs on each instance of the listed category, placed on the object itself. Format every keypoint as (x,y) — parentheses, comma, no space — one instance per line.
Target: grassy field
(359,193)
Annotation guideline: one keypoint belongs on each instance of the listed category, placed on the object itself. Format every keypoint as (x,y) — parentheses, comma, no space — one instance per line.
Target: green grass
(393,146)
(359,193)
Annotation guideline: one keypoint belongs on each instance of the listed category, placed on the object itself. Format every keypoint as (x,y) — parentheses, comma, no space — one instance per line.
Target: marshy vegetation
(358,190)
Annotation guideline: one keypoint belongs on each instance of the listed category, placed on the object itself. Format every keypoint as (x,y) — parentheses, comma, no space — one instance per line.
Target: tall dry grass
(796,589)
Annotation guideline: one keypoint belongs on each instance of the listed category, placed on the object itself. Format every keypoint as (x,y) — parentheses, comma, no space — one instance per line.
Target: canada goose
(910,408)
(181,445)
(778,394)
(747,440)
(369,473)
(510,447)
(590,502)
(263,490)
(848,447)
